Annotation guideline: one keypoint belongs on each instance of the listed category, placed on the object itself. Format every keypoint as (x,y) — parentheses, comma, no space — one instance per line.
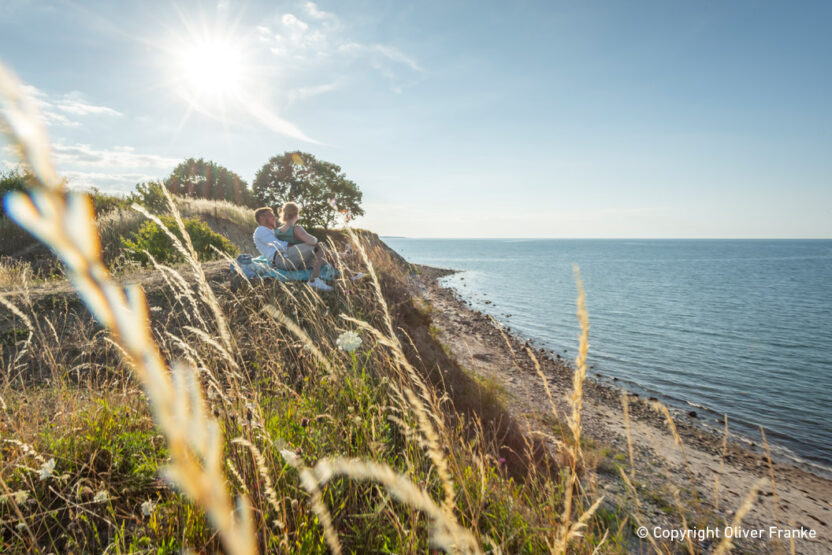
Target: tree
(320,188)
(13,180)
(205,179)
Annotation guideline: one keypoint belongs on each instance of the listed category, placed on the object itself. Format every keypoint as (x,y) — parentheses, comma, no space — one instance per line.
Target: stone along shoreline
(795,499)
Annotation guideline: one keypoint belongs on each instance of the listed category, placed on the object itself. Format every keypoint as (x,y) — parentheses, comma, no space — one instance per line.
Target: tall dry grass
(242,401)
(195,427)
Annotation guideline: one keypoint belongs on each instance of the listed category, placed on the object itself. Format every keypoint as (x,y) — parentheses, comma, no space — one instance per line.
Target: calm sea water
(742,327)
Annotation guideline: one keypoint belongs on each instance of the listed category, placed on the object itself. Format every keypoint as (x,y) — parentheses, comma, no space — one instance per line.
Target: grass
(231,420)
(271,390)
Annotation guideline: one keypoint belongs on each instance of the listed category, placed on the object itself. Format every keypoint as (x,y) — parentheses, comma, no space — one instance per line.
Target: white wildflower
(21,526)
(46,469)
(101,497)
(148,507)
(348,341)
(20,496)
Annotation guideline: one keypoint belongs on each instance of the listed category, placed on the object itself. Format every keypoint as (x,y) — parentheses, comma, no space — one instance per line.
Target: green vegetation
(320,188)
(205,179)
(152,239)
(274,392)
(12,180)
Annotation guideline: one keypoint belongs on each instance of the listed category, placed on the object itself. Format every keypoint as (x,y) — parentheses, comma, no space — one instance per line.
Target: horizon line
(617,238)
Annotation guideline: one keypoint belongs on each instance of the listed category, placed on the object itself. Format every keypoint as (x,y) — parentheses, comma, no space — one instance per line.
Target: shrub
(152,239)
(13,180)
(103,203)
(151,196)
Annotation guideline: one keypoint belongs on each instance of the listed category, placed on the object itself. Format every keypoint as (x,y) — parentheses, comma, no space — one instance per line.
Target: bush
(154,240)
(103,203)
(14,180)
(151,196)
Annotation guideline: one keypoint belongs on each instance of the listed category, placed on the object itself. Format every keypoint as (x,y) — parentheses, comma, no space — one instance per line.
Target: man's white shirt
(267,244)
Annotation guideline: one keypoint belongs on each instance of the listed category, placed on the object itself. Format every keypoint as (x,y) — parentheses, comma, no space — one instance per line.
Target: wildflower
(148,507)
(20,496)
(348,341)
(101,497)
(46,469)
(21,526)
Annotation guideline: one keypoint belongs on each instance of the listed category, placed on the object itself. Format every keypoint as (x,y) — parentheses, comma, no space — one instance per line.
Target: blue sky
(458,119)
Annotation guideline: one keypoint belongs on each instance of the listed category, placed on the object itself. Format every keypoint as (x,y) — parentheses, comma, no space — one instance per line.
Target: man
(283,256)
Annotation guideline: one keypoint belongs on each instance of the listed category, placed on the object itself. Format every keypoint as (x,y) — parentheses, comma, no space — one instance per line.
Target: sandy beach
(712,486)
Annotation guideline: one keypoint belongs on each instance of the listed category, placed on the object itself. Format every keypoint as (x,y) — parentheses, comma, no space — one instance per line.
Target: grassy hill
(390,447)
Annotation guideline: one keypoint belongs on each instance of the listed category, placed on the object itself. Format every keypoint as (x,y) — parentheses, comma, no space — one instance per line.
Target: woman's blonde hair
(289,211)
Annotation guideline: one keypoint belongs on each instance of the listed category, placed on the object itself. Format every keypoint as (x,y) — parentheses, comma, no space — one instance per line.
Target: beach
(662,468)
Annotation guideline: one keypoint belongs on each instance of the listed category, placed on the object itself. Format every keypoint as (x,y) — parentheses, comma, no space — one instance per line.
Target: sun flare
(212,71)
(224,74)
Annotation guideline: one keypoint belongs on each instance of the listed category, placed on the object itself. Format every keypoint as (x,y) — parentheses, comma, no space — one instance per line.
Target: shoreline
(802,494)
(697,415)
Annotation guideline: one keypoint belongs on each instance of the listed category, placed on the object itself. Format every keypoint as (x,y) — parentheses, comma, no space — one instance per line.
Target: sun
(221,73)
(211,71)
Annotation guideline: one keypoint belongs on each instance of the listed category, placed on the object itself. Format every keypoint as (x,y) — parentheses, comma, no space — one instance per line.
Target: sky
(595,119)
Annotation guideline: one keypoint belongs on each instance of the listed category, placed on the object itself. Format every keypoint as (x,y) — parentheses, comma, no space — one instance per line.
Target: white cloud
(118,157)
(315,13)
(73,103)
(381,50)
(114,169)
(108,182)
(290,20)
(81,108)
(118,169)
(302,93)
(319,44)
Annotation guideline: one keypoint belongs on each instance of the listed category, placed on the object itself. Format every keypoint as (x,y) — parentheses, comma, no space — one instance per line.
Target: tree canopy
(319,188)
(205,179)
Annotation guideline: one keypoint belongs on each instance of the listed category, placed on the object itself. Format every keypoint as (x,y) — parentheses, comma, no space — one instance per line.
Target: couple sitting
(289,247)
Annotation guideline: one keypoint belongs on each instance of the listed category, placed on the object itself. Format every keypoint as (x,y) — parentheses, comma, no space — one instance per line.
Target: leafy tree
(320,188)
(153,239)
(205,179)
(150,195)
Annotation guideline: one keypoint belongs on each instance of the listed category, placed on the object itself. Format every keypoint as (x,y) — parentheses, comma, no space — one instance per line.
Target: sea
(736,327)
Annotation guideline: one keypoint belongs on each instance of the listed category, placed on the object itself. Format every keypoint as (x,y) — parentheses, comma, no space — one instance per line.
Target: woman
(302,247)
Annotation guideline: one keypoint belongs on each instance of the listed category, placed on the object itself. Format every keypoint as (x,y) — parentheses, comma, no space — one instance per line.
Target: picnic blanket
(259,267)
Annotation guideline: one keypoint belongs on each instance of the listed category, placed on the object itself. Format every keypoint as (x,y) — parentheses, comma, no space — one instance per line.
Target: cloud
(319,43)
(312,11)
(79,107)
(303,93)
(55,109)
(116,169)
(118,157)
(383,51)
(108,182)
(290,20)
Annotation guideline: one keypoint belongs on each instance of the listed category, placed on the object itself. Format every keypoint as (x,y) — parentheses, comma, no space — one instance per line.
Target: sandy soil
(796,499)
